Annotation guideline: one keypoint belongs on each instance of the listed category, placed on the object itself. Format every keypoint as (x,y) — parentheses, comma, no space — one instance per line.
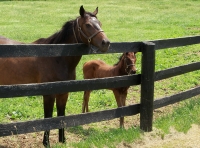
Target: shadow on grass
(79,130)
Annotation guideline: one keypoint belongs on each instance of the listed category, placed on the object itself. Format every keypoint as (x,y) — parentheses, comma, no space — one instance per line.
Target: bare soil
(172,140)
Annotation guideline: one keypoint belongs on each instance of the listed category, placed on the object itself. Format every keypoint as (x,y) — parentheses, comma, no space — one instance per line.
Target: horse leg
(48,103)
(123,96)
(61,101)
(120,99)
(85,101)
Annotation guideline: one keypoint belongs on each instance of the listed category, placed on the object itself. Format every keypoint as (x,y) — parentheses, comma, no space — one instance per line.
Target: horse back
(97,69)
(4,40)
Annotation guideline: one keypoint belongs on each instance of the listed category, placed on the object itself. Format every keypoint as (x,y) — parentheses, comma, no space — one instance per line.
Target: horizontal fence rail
(53,50)
(176,42)
(159,75)
(50,50)
(176,98)
(20,90)
(66,121)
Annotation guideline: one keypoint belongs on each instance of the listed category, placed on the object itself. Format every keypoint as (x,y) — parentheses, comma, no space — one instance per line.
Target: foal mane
(120,58)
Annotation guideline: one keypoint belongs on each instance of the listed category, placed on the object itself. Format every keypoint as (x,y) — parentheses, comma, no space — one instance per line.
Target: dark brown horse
(99,69)
(84,29)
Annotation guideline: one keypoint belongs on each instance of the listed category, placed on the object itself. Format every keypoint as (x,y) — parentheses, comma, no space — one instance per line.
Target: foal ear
(96,11)
(82,11)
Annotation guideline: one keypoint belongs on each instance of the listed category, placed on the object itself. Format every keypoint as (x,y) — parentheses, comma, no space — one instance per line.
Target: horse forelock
(90,14)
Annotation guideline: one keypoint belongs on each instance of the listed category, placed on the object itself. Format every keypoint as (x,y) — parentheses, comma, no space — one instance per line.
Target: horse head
(89,30)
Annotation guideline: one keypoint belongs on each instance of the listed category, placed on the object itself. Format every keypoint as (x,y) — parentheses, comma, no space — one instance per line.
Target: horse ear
(82,11)
(96,11)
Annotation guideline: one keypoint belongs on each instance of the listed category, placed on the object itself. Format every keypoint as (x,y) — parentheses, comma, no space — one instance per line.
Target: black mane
(64,34)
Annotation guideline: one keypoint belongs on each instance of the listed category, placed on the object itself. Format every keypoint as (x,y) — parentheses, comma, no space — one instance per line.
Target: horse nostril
(105,42)
(133,72)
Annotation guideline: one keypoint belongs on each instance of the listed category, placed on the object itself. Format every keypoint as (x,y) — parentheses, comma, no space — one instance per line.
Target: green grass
(183,116)
(97,138)
(136,20)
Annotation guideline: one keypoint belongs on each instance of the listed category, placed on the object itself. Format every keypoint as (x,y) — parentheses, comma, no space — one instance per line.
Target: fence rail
(159,75)
(7,91)
(67,121)
(52,50)
(176,98)
(146,79)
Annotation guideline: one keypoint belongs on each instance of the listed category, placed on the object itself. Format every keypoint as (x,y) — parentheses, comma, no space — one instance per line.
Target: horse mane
(59,37)
(63,35)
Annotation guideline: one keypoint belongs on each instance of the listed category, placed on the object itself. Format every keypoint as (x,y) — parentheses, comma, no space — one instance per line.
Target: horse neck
(64,36)
(54,39)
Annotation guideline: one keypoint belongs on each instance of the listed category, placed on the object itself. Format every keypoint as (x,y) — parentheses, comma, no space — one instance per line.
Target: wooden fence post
(147,86)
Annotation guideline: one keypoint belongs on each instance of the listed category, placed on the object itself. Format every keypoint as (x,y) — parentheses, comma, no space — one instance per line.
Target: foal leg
(61,101)
(123,96)
(120,99)
(48,103)
(85,101)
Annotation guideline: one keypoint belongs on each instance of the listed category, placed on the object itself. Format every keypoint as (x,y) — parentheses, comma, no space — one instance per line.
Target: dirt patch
(156,139)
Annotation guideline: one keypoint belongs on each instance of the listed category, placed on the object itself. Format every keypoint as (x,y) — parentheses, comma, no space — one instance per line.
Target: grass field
(136,20)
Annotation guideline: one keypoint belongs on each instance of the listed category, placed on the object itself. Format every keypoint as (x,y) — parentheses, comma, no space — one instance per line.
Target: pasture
(122,21)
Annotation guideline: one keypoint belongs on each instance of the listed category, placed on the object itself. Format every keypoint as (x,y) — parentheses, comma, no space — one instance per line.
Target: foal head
(129,60)
(90,32)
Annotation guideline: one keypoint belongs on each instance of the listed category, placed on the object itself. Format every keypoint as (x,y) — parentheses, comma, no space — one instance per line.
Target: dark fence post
(147,86)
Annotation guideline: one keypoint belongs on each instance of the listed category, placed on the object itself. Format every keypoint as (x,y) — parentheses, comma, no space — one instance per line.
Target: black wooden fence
(145,79)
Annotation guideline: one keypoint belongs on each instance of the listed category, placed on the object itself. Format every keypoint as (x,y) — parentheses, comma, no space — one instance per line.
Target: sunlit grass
(136,20)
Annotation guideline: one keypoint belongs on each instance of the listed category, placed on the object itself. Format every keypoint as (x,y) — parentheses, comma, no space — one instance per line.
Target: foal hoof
(46,144)
(63,140)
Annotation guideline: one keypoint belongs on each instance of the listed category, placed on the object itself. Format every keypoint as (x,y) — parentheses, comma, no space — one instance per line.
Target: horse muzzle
(105,45)
(132,72)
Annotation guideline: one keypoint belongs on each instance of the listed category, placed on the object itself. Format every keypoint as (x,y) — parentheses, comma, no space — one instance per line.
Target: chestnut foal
(99,69)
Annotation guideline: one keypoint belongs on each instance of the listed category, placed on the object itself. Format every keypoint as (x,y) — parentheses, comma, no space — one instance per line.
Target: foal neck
(120,67)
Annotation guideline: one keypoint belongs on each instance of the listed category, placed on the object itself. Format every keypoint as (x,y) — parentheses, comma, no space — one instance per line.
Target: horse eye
(88,25)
